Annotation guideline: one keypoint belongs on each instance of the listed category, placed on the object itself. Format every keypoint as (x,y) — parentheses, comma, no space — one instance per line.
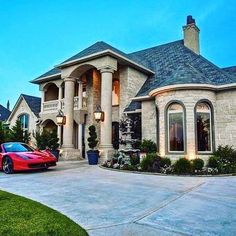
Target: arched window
(24,120)
(203,127)
(176,131)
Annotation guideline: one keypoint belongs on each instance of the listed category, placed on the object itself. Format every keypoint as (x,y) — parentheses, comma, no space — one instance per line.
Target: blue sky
(36,35)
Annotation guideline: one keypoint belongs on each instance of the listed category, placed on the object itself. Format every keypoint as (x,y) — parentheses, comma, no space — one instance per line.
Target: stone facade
(149,120)
(226,118)
(189,99)
(20,109)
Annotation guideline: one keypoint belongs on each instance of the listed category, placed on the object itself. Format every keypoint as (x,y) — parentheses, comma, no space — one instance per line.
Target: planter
(93,157)
(55,153)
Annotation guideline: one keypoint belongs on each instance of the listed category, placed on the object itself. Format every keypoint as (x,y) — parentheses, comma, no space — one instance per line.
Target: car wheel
(7,165)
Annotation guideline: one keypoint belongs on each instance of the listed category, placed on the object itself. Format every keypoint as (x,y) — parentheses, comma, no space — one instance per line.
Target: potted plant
(93,154)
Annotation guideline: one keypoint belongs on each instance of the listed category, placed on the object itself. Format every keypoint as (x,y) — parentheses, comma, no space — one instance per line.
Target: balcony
(55,105)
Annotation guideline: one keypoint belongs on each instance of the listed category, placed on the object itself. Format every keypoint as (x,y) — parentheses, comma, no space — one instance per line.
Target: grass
(20,216)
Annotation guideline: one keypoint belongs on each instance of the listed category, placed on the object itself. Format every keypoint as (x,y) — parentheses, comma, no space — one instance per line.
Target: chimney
(8,105)
(191,35)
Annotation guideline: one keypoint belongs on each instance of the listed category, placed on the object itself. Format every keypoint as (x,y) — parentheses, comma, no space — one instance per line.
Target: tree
(46,139)
(92,140)
(2,133)
(17,134)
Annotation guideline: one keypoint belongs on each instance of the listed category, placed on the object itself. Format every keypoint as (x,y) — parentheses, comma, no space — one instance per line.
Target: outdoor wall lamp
(99,114)
(61,119)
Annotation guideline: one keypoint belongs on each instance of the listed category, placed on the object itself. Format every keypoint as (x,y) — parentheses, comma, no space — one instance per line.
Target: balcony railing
(55,105)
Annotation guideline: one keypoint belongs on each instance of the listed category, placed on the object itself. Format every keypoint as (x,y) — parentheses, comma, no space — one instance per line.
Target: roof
(173,63)
(231,70)
(133,106)
(98,47)
(34,103)
(4,113)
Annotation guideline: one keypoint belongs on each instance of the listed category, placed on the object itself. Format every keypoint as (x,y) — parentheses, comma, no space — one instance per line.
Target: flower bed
(223,161)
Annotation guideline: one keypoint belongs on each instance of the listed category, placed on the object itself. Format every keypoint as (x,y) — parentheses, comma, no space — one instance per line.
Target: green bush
(226,154)
(148,146)
(151,162)
(46,139)
(197,164)
(214,162)
(165,162)
(134,160)
(182,166)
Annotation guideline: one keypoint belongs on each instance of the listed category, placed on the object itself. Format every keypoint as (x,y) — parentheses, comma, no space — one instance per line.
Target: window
(176,132)
(115,92)
(203,127)
(24,120)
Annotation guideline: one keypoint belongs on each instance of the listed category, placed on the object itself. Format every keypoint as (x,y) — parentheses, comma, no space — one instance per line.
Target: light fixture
(99,114)
(61,119)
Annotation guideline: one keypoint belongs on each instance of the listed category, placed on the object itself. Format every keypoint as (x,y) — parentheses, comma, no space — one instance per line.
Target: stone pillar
(69,152)
(42,99)
(106,105)
(80,128)
(59,128)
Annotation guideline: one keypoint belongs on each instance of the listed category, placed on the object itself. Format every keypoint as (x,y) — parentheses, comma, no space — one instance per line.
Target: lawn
(20,216)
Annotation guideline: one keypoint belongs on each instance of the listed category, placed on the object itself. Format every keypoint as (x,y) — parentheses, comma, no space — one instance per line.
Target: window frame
(167,125)
(212,133)
(24,114)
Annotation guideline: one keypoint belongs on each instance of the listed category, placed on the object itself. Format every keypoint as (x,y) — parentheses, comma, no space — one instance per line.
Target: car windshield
(17,147)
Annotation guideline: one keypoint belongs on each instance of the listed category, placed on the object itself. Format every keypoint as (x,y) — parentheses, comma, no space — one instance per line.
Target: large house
(4,113)
(26,109)
(185,103)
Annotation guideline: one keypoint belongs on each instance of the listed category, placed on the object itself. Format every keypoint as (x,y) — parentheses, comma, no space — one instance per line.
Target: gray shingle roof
(134,105)
(51,72)
(34,103)
(231,70)
(4,113)
(173,63)
(95,48)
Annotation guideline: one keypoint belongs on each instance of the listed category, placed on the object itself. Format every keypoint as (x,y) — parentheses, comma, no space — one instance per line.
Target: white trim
(45,77)
(135,111)
(141,98)
(156,91)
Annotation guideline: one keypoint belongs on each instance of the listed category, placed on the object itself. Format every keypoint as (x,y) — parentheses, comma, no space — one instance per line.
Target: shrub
(182,166)
(165,162)
(197,164)
(151,162)
(226,154)
(92,140)
(148,146)
(46,139)
(213,162)
(134,159)
(17,134)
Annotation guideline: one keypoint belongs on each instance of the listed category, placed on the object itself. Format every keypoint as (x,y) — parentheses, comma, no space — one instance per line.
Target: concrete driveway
(114,203)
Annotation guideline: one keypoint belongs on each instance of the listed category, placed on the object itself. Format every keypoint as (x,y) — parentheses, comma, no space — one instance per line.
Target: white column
(106,105)
(60,97)
(42,99)
(69,113)
(59,128)
(80,92)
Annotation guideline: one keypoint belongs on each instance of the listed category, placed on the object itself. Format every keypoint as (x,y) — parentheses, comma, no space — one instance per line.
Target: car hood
(35,155)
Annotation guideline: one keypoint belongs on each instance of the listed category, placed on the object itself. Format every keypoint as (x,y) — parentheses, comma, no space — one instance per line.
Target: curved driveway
(114,203)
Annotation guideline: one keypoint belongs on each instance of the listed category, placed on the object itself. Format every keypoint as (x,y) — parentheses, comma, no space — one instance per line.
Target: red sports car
(19,156)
